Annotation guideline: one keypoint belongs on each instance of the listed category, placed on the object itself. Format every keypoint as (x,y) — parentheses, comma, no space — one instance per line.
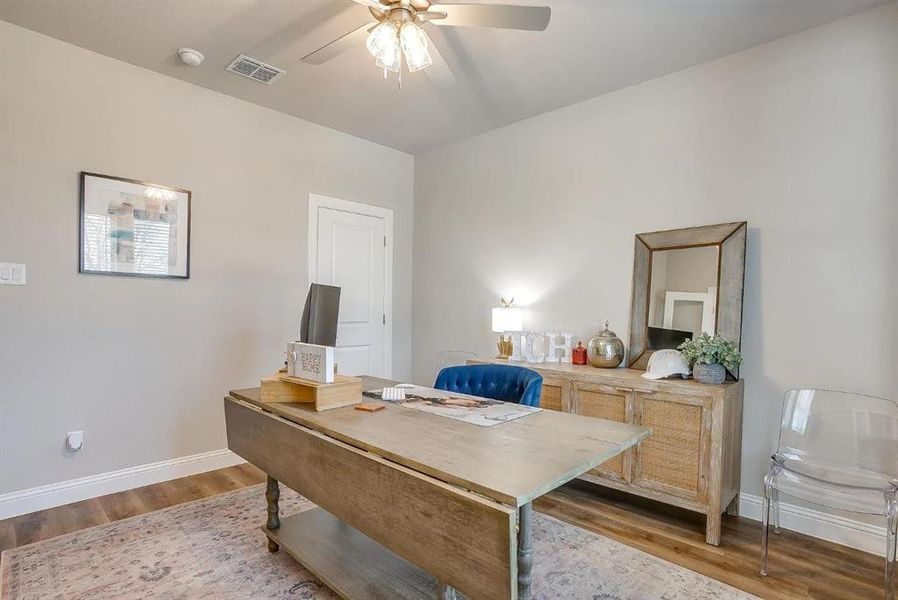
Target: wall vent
(255,69)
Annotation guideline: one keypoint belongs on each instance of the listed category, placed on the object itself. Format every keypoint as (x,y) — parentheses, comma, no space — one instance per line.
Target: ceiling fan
(397,35)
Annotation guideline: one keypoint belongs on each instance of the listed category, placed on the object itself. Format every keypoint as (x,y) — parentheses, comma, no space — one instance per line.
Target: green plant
(707,350)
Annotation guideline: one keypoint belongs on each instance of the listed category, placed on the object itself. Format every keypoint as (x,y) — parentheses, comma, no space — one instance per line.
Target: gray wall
(141,365)
(798,137)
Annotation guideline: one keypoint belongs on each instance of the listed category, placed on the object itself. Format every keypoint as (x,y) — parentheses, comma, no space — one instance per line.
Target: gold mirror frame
(730,241)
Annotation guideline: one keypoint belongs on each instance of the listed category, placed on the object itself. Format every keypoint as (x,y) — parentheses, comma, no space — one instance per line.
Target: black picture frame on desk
(133,228)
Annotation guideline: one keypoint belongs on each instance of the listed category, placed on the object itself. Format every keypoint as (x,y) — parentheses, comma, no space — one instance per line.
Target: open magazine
(462,407)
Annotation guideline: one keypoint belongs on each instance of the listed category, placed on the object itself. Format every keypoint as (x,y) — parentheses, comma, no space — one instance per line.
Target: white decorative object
(310,361)
(535,350)
(542,346)
(559,346)
(519,341)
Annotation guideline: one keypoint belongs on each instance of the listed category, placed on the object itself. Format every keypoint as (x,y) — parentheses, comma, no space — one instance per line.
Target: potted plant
(711,356)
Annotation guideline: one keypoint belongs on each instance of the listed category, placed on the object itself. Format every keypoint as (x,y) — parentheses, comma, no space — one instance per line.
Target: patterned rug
(213,548)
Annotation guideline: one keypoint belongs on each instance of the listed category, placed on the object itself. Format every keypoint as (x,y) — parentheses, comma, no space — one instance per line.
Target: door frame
(317,201)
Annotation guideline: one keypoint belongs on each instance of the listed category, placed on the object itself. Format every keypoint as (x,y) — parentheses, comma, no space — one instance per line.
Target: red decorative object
(579,355)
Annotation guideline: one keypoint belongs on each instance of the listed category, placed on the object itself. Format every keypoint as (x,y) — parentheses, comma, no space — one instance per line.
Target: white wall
(798,137)
(142,365)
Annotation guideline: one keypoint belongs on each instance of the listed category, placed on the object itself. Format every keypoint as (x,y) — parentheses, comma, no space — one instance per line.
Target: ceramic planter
(713,374)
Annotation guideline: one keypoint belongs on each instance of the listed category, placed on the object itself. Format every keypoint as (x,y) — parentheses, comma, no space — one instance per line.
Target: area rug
(213,548)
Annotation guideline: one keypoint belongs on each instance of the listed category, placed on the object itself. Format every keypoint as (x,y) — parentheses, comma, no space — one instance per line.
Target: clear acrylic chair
(838,450)
(452,358)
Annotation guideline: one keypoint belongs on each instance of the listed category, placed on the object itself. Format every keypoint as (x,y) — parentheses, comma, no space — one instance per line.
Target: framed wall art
(133,228)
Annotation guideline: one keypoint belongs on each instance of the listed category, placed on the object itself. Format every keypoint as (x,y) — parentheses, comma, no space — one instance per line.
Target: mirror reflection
(682,295)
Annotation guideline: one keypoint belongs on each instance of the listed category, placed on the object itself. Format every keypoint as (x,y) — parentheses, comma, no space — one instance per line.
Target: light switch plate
(12,274)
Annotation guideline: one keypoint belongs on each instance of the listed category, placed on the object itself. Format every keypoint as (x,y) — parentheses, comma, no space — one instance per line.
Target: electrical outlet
(12,274)
(74,440)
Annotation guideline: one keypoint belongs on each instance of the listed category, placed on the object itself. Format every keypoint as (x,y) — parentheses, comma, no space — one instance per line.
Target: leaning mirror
(686,282)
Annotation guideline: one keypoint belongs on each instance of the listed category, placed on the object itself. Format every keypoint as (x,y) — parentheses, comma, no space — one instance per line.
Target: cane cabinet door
(675,459)
(613,404)
(555,394)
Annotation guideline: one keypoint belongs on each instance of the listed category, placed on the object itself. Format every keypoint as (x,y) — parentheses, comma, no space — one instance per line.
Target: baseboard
(56,494)
(815,523)
(848,532)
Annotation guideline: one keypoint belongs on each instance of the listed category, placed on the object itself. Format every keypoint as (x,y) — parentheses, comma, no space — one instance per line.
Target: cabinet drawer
(675,458)
(551,397)
(605,402)
(554,394)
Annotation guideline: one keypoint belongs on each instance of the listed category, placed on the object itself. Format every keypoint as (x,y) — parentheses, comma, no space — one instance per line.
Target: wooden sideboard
(693,457)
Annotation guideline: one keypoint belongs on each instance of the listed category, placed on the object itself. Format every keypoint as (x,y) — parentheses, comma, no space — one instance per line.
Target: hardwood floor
(44,524)
(800,566)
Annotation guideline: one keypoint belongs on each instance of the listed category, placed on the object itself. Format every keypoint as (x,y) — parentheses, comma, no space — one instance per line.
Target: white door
(351,254)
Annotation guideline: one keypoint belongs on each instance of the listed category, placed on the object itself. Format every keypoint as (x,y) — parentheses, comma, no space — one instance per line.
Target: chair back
(499,382)
(844,438)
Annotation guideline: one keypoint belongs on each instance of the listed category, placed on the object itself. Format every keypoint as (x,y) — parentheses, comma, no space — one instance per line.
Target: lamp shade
(507,318)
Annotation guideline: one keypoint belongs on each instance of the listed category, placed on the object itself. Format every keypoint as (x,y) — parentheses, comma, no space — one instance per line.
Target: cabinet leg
(733,507)
(712,529)
(272,496)
(525,551)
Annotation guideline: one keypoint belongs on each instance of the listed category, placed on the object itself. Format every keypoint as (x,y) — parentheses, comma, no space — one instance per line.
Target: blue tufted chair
(499,382)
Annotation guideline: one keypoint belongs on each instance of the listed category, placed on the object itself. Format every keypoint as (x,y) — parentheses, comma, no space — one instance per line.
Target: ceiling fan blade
(431,15)
(500,16)
(438,72)
(353,39)
(371,4)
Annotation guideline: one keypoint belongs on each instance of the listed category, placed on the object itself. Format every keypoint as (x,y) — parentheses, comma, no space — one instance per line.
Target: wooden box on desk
(344,391)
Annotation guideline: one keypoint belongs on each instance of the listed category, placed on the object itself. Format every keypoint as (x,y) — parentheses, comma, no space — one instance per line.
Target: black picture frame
(84,269)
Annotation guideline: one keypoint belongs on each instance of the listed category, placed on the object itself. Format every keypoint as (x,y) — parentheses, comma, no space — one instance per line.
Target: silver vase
(605,350)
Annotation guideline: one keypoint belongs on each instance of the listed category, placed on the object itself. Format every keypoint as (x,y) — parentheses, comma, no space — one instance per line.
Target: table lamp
(506,318)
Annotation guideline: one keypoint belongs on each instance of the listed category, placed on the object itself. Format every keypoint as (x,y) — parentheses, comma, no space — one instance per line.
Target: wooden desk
(415,502)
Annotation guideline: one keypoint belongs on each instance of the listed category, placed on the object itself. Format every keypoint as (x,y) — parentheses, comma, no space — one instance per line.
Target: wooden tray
(344,391)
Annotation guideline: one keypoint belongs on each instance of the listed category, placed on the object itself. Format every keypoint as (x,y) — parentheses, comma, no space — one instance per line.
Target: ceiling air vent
(254,69)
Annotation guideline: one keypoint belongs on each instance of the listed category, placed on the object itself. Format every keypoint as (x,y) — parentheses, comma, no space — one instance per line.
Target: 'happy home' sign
(310,361)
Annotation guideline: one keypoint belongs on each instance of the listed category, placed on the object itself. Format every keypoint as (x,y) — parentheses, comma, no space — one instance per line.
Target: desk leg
(525,551)
(447,592)
(272,495)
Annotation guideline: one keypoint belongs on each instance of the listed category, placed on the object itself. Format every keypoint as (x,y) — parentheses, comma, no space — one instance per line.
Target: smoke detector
(254,69)
(191,57)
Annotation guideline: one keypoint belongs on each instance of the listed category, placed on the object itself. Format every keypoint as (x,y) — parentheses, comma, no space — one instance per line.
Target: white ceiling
(591,47)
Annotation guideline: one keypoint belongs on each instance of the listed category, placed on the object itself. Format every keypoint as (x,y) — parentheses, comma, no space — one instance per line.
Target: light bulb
(390,58)
(414,46)
(384,40)
(389,61)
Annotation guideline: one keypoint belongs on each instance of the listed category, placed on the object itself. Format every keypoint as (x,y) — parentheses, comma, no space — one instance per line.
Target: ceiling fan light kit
(383,44)
(414,47)
(399,35)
